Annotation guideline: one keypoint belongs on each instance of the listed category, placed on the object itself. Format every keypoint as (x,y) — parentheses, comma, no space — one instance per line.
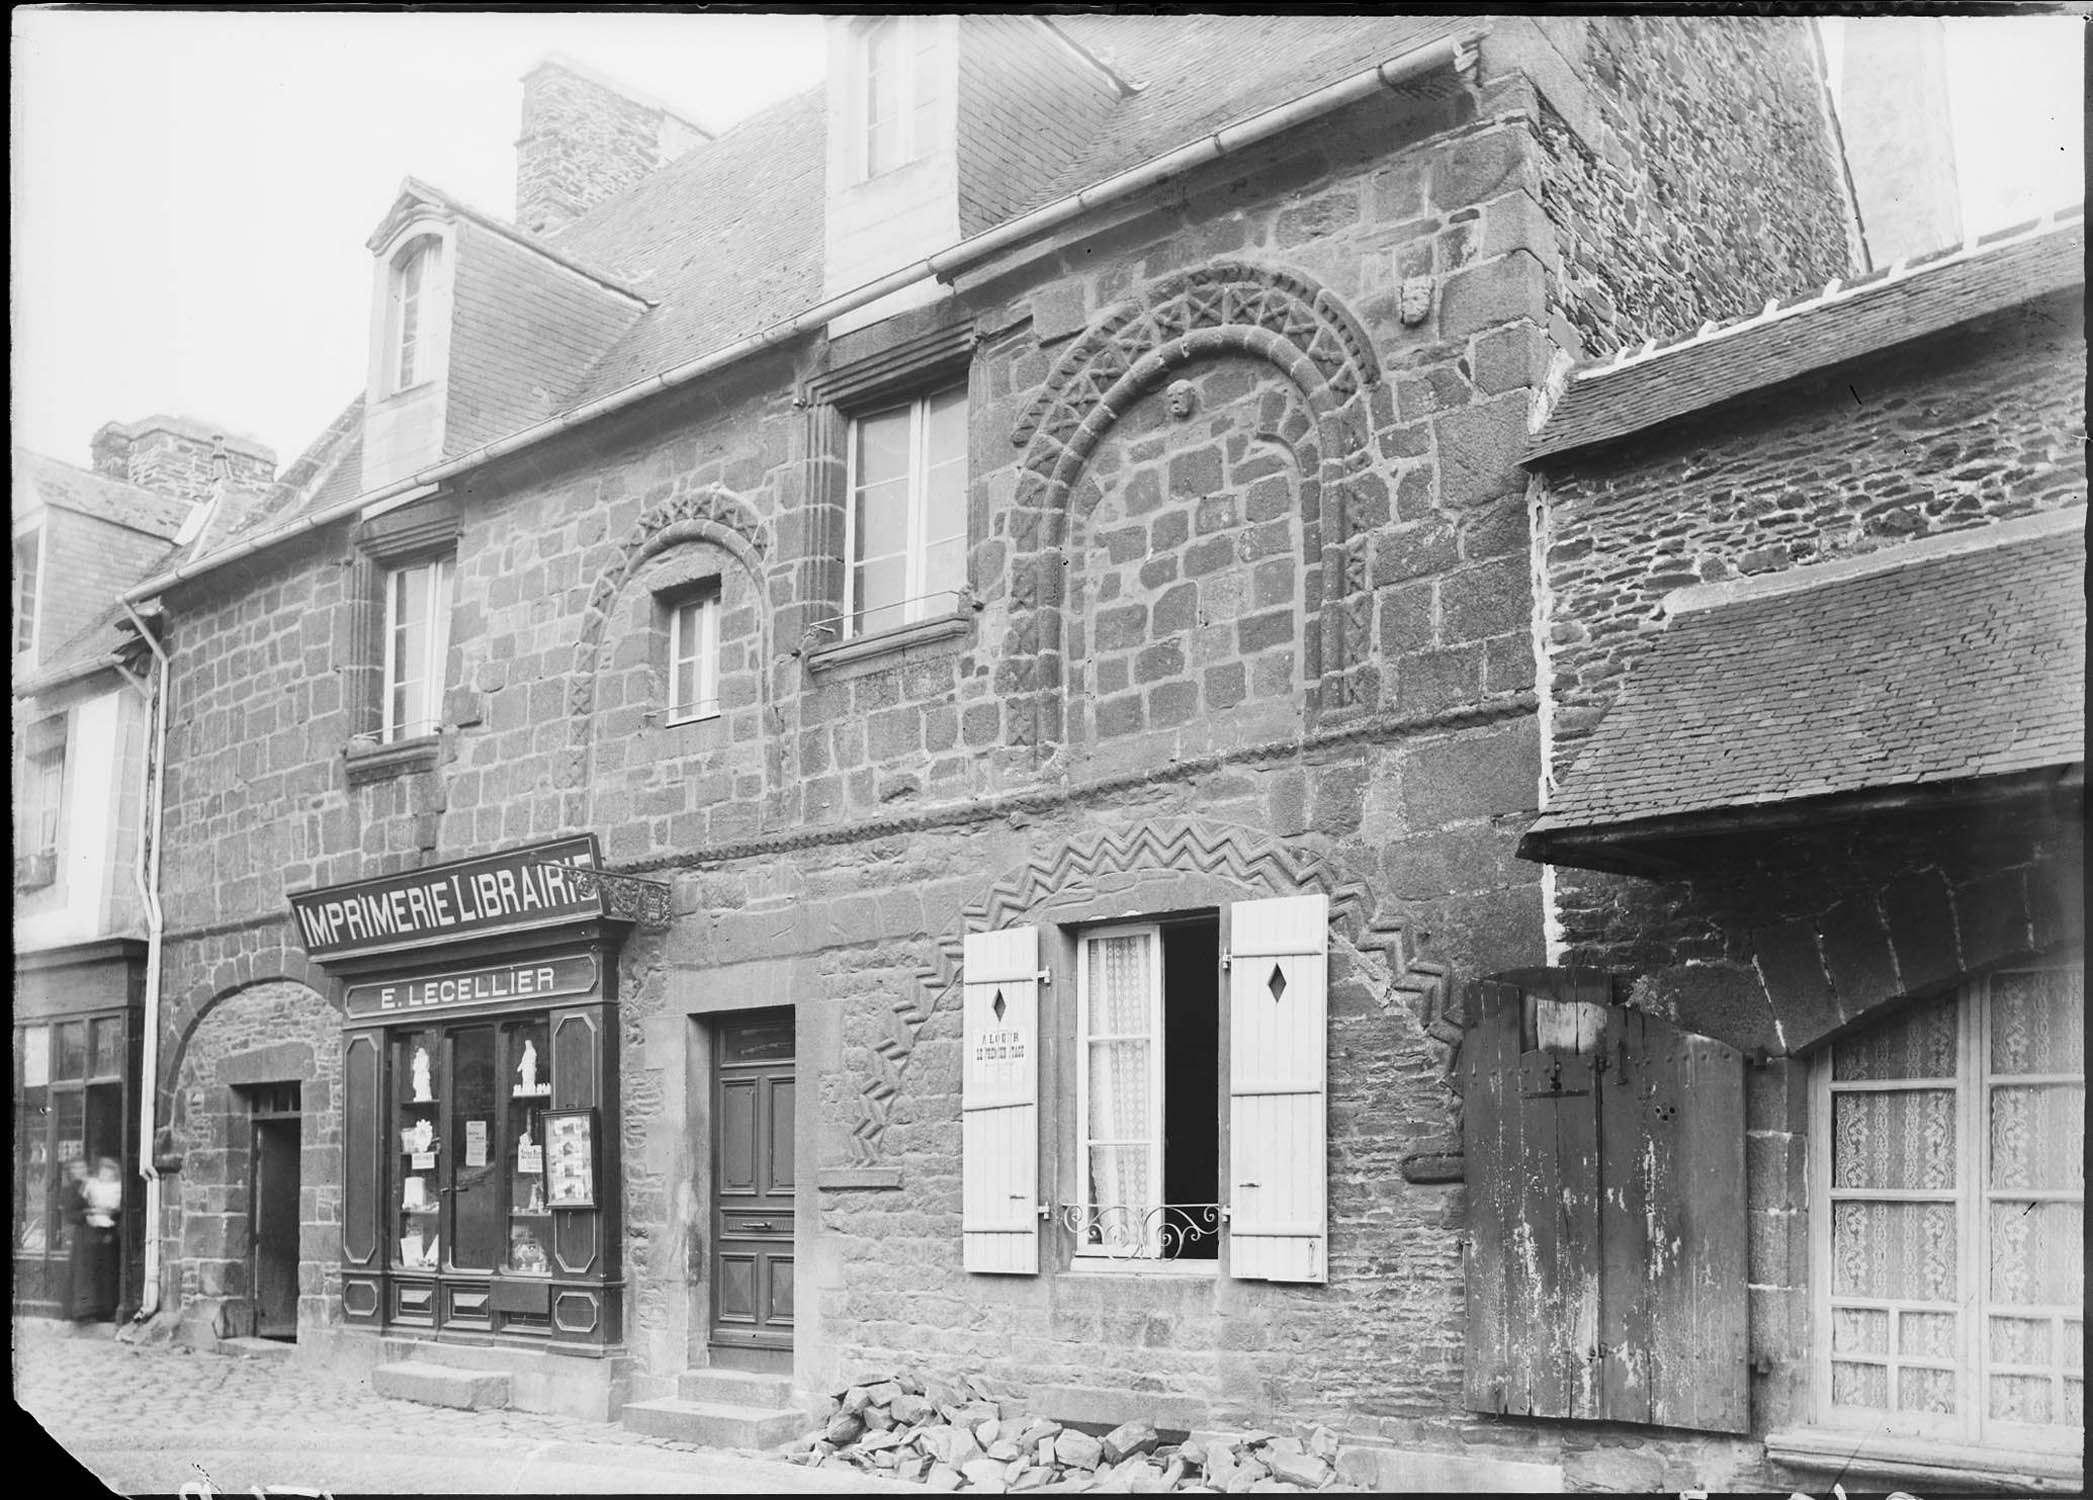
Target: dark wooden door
(274,1207)
(752,1183)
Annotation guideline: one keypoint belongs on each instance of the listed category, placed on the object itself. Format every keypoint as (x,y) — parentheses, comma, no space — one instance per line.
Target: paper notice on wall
(423,1161)
(475,1143)
(530,1158)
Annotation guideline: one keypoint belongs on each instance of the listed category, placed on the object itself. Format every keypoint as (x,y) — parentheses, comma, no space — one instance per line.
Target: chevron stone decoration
(1258,863)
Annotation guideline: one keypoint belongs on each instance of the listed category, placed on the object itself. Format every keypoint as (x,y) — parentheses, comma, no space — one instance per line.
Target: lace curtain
(1124,1118)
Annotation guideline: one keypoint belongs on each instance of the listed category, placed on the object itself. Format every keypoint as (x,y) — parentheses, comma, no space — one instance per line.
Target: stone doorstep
(441,1385)
(737,1388)
(714,1424)
(256,1348)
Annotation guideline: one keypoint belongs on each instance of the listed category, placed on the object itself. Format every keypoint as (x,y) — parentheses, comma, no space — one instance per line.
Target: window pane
(2038,1022)
(1860,1330)
(1122,1189)
(882,520)
(1895,1140)
(2038,1136)
(1860,1385)
(1121,1106)
(879,590)
(528,1072)
(1121,998)
(1905,1251)
(1920,1044)
(106,1059)
(2038,1254)
(1926,1390)
(35,1042)
(2020,1341)
(72,1050)
(33,1150)
(476,1209)
(1928,1335)
(882,447)
(945,574)
(69,1111)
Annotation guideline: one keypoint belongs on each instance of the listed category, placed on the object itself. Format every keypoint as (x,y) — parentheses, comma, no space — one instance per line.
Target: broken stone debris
(959,1436)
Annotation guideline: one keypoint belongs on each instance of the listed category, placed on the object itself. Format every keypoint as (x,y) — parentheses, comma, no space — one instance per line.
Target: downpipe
(147,873)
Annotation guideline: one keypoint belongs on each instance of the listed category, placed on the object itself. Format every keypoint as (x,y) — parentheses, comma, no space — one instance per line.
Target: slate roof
(1608,399)
(1906,668)
(90,494)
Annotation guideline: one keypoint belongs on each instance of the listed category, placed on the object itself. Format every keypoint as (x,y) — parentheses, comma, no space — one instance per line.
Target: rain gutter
(147,871)
(1457,53)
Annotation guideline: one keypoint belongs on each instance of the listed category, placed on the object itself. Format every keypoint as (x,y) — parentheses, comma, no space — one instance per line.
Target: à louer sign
(514,891)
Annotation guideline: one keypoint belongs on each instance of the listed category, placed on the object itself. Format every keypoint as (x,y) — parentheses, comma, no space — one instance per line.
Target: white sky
(191,191)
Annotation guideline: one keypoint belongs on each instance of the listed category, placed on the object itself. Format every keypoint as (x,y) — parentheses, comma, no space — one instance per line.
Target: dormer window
(413,285)
(901,104)
(28,561)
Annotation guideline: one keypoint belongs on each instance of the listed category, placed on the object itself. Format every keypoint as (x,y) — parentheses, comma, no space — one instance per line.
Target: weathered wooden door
(752,1183)
(1606,1215)
(273,1208)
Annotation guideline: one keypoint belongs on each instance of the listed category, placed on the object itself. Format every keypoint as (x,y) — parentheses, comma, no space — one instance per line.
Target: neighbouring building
(81,715)
(904,741)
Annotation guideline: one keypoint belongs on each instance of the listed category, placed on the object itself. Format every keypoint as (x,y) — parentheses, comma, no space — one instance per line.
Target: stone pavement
(152,1420)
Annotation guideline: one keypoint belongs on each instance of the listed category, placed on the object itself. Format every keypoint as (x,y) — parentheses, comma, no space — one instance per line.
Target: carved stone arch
(1226,308)
(707,515)
(1253,861)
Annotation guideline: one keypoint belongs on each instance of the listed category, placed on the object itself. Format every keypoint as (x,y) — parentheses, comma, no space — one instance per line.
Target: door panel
(275,1209)
(752,1177)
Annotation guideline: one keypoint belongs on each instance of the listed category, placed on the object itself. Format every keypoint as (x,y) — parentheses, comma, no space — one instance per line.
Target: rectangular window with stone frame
(907,540)
(417,643)
(39,812)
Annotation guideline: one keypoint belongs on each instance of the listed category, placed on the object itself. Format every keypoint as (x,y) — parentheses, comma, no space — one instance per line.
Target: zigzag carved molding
(1189,845)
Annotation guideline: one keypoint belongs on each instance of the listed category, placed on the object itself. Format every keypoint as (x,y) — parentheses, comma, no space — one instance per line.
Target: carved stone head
(1417,300)
(1181,397)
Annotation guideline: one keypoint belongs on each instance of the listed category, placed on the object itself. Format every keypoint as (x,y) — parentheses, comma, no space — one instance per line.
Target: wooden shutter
(1606,1218)
(1278,1220)
(999,1207)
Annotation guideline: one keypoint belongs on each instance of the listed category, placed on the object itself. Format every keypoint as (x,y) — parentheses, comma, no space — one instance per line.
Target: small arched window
(413,288)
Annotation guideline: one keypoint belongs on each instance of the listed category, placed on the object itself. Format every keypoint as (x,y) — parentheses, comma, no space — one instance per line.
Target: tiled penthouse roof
(1915,665)
(1643,387)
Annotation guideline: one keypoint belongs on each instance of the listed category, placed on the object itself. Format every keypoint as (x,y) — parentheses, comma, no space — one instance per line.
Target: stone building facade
(1227,669)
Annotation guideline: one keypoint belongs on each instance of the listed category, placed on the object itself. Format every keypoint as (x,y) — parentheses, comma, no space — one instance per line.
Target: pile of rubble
(960,1437)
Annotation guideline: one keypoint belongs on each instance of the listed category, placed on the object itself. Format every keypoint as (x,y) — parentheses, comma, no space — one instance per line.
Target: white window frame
(27,652)
(916,546)
(916,35)
(408,365)
(694,638)
(1156,1113)
(1972,1427)
(438,579)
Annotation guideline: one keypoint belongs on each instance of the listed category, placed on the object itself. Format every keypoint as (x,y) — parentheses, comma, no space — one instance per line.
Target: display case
(461,1219)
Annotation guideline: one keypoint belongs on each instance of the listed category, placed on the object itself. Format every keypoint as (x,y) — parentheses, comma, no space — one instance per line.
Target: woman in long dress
(105,1201)
(79,1242)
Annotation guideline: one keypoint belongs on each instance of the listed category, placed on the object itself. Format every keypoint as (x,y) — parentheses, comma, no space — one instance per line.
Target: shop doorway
(272,1208)
(753,1093)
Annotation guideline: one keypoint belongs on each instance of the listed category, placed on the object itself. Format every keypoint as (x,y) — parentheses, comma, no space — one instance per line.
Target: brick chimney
(1900,143)
(172,456)
(585,138)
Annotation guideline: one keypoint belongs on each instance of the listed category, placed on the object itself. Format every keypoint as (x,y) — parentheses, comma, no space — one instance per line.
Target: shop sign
(515,891)
(499,984)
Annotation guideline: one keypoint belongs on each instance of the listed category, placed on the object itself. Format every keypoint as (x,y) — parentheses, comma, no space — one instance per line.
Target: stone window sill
(890,642)
(367,760)
(1913,1461)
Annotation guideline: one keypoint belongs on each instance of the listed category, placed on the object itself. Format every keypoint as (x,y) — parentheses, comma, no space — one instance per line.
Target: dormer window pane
(411,288)
(27,557)
(901,88)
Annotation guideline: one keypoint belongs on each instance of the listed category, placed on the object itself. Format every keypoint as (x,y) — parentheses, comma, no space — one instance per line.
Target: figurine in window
(527,1070)
(421,1077)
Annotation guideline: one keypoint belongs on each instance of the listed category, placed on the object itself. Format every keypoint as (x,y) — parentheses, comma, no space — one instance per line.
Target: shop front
(480,1101)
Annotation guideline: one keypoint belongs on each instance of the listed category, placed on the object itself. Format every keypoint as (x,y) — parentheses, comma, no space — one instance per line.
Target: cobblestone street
(151,1420)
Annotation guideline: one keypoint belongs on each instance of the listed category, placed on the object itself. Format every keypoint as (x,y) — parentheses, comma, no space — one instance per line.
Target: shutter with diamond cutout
(999,1207)
(1278,1226)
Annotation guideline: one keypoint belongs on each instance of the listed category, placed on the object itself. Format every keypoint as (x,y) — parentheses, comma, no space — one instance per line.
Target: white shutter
(999,1205)
(1278,1225)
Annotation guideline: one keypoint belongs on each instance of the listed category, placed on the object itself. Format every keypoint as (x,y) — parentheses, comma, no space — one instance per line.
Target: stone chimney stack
(1900,143)
(173,456)
(585,138)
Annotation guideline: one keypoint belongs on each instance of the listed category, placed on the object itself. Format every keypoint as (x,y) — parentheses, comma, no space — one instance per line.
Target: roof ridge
(1839,289)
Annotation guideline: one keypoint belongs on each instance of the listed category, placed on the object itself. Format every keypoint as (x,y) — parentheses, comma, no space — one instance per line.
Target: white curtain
(1122,1132)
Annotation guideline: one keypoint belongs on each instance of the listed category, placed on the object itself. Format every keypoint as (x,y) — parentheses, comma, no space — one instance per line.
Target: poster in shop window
(570,1158)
